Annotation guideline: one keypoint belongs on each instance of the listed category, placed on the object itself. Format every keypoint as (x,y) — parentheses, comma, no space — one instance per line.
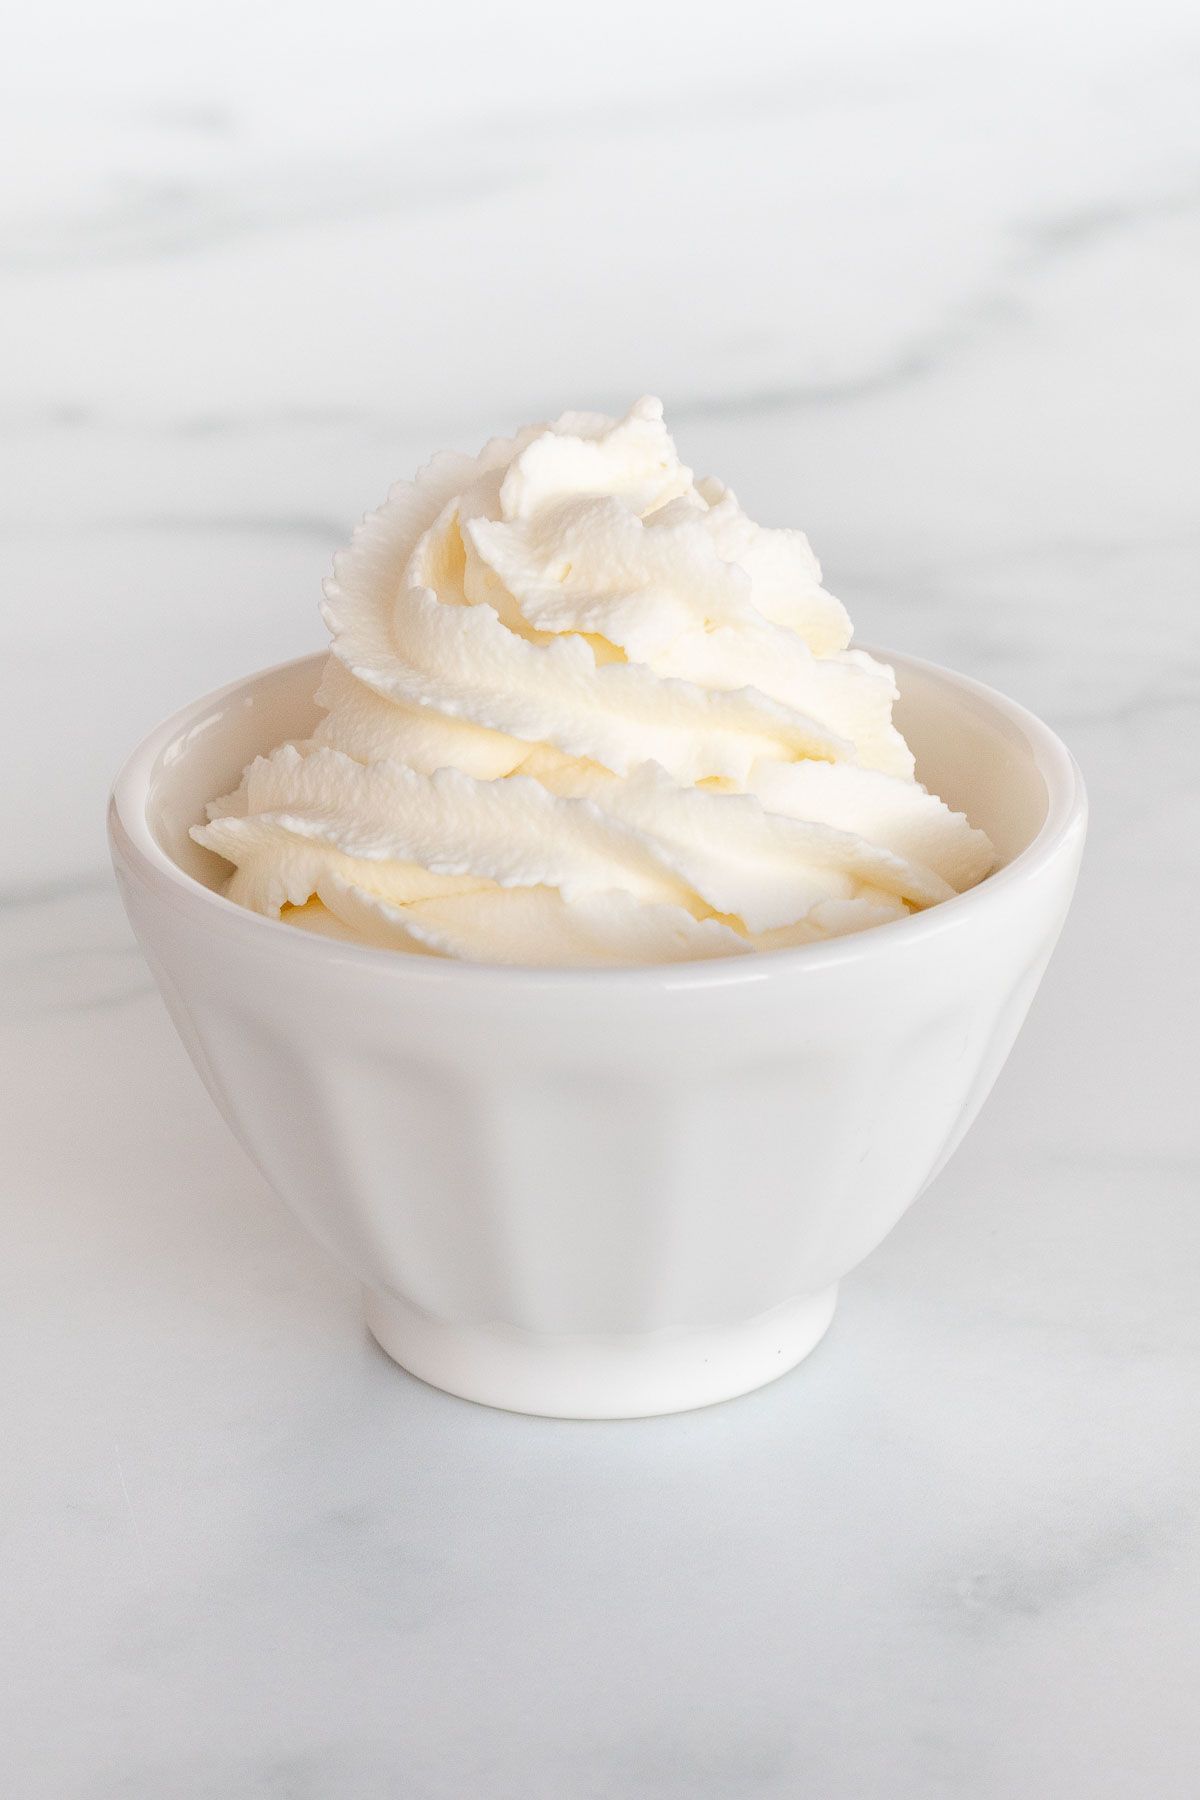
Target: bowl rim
(135,848)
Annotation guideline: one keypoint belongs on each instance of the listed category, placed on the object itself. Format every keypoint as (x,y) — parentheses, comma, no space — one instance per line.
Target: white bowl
(600,1194)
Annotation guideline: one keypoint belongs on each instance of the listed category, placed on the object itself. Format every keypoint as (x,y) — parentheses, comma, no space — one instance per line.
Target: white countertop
(925,285)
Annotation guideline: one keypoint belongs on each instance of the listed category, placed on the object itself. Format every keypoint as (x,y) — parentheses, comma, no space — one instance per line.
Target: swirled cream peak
(581,709)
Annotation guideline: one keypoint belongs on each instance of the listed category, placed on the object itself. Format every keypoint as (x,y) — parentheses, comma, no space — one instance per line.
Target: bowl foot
(622,1376)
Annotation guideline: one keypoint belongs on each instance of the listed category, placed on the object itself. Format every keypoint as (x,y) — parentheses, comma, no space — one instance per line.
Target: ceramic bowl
(600,1194)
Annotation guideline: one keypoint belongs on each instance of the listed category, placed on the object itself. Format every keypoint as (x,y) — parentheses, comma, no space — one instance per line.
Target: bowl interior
(971,748)
(975,751)
(207,756)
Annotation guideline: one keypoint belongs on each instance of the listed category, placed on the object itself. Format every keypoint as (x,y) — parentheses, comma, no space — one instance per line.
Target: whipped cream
(581,710)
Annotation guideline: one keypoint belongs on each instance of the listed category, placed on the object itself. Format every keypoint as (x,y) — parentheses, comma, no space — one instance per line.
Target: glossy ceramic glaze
(593,1193)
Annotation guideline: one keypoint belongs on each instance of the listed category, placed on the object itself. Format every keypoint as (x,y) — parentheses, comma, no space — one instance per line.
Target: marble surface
(925,281)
